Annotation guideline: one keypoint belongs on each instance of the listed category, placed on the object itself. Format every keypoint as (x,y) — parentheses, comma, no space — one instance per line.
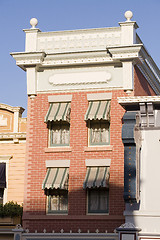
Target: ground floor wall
(91,225)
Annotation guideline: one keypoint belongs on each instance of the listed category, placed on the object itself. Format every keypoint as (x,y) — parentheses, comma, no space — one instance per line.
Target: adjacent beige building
(12,153)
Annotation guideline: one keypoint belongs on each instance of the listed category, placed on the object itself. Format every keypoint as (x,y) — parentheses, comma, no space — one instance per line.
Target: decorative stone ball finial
(128,15)
(33,22)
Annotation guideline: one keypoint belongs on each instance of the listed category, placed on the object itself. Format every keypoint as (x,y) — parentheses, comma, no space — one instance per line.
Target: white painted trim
(99,96)
(138,99)
(57,163)
(98,162)
(60,98)
(16,122)
(31,81)
(5,159)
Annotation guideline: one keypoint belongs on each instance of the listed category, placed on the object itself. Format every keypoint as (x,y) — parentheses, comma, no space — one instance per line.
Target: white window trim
(59,98)
(57,163)
(99,96)
(98,162)
(5,159)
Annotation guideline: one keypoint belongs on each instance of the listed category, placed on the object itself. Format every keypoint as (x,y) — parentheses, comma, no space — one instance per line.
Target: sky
(58,15)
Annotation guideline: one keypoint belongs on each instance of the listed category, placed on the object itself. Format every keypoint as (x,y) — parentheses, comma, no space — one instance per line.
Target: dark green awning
(56,178)
(96,177)
(58,111)
(98,110)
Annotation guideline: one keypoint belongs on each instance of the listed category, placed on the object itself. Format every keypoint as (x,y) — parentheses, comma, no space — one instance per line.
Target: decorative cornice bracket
(28,59)
(124,52)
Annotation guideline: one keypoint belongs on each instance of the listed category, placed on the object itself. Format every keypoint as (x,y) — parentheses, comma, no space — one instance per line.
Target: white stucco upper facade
(85,59)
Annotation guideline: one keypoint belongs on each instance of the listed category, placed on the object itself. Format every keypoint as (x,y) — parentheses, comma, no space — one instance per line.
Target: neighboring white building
(145,132)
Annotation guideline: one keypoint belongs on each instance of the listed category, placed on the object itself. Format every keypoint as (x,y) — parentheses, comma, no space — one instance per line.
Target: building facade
(74,179)
(12,153)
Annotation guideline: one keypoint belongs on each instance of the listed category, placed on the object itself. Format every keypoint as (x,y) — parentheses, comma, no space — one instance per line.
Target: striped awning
(96,177)
(98,110)
(58,111)
(56,178)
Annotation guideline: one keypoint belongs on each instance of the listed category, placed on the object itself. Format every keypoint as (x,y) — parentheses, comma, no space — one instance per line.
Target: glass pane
(56,134)
(105,133)
(54,203)
(103,201)
(60,134)
(95,133)
(63,202)
(93,201)
(65,134)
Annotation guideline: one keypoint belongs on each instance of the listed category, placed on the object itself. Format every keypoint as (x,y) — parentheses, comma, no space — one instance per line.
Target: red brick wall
(141,86)
(35,217)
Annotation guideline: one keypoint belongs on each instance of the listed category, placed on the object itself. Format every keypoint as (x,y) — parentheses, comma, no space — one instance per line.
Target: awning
(98,110)
(96,177)
(56,178)
(2,175)
(58,111)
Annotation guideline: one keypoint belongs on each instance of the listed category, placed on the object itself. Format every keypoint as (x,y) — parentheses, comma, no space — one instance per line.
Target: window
(1,195)
(55,185)
(98,119)
(99,132)
(59,133)
(57,201)
(97,185)
(2,181)
(58,121)
(98,200)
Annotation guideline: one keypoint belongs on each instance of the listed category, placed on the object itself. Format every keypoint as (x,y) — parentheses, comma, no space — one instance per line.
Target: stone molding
(13,136)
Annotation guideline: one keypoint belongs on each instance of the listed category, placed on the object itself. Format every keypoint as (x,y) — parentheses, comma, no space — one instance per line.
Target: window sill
(58,149)
(98,148)
(57,214)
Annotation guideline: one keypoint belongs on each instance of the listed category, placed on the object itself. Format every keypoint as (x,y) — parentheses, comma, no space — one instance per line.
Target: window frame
(58,192)
(58,123)
(88,201)
(90,122)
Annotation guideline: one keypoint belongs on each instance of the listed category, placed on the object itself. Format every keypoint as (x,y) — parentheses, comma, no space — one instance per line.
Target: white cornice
(138,99)
(11,109)
(129,23)
(43,60)
(124,52)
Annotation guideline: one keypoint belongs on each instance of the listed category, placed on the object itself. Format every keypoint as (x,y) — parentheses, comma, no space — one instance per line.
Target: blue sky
(54,15)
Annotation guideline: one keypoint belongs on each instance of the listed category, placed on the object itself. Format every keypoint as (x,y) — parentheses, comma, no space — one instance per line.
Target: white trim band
(57,163)
(60,98)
